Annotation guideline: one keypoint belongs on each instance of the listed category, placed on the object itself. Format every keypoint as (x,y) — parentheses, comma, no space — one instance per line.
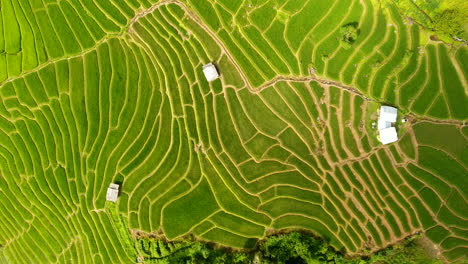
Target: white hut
(388,135)
(112,192)
(210,71)
(382,124)
(387,116)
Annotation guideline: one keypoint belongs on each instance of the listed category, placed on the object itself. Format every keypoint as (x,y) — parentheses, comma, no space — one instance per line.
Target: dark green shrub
(348,35)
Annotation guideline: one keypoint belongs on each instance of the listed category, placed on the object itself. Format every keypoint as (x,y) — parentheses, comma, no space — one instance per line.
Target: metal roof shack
(210,72)
(112,192)
(388,114)
(382,124)
(388,135)
(387,117)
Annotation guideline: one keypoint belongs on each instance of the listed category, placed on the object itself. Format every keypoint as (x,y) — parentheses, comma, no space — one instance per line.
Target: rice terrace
(228,121)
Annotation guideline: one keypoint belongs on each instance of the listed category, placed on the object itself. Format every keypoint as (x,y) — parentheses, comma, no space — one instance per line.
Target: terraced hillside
(94,92)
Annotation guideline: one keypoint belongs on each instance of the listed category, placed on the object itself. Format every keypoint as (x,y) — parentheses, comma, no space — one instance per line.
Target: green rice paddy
(95,92)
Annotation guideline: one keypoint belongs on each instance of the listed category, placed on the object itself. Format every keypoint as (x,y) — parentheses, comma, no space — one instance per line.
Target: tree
(450,21)
(348,35)
(290,248)
(295,248)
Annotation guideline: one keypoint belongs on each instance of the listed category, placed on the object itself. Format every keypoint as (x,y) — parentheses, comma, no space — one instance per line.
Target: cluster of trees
(447,18)
(290,248)
(348,35)
(451,22)
(186,251)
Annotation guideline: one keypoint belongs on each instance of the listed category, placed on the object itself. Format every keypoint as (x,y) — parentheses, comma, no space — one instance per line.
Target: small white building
(112,192)
(388,135)
(382,124)
(388,114)
(387,117)
(210,71)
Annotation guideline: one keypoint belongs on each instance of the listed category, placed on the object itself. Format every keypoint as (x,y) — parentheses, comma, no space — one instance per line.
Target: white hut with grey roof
(210,72)
(388,113)
(387,117)
(388,135)
(112,192)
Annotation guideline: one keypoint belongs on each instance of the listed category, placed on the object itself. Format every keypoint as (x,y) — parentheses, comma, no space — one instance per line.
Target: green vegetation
(349,34)
(451,22)
(95,92)
(286,248)
(186,251)
(447,18)
(121,227)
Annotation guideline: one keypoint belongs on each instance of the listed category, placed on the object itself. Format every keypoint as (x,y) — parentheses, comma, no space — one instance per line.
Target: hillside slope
(94,92)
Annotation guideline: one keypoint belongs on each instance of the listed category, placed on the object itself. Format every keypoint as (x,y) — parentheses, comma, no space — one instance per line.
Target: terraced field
(94,92)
